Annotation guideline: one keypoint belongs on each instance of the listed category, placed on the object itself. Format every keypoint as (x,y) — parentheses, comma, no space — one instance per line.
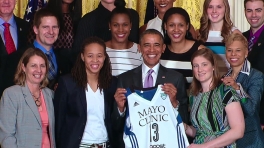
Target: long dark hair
(75,10)
(168,14)
(79,71)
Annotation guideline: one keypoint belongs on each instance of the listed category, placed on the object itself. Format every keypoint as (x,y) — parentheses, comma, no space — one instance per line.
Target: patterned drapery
(193,7)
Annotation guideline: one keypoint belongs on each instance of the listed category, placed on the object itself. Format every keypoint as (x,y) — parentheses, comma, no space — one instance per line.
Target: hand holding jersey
(145,117)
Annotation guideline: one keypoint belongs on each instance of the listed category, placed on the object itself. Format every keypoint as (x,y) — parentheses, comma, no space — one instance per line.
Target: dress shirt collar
(256,34)
(11,21)
(145,69)
(37,45)
(245,68)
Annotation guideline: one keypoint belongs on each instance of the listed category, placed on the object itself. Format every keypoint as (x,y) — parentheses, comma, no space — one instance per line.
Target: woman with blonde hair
(26,109)
(216,26)
(248,83)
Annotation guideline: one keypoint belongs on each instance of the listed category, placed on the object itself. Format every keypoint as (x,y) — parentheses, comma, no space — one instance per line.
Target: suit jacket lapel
(161,75)
(30,101)
(137,77)
(106,103)
(83,98)
(259,41)
(19,32)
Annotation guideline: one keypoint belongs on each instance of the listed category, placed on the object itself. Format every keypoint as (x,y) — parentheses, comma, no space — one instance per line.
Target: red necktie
(9,43)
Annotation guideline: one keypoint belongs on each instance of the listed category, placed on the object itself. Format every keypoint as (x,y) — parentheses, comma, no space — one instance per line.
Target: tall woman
(216,115)
(123,53)
(215,27)
(179,43)
(248,82)
(26,109)
(84,99)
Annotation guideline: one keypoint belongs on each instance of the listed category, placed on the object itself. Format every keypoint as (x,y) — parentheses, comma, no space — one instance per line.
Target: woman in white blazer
(26,109)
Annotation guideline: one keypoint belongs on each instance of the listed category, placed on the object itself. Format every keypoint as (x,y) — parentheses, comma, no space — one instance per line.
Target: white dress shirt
(95,130)
(155,24)
(154,74)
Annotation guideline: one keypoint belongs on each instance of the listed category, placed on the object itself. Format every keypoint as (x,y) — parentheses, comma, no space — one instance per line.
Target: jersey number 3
(155,129)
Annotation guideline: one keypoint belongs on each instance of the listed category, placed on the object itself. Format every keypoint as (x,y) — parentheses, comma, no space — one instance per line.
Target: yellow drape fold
(193,7)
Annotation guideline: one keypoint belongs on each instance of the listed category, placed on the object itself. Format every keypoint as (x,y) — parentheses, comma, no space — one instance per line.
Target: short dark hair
(78,71)
(245,1)
(43,12)
(168,14)
(207,53)
(151,31)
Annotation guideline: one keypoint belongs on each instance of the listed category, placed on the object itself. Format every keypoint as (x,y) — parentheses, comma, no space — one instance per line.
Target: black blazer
(71,112)
(134,78)
(8,63)
(256,59)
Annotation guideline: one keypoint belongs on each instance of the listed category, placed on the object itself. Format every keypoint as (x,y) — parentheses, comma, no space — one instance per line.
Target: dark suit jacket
(71,112)
(134,78)
(253,85)
(8,63)
(256,58)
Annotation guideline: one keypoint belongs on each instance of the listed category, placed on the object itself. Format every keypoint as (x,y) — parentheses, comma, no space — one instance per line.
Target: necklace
(37,100)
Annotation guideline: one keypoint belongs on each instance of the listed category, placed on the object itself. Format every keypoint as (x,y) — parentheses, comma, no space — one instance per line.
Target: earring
(109,29)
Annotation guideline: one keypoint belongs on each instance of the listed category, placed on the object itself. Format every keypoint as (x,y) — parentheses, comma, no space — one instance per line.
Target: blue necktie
(51,72)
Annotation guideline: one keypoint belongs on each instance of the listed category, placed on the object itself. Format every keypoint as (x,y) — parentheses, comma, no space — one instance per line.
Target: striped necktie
(52,71)
(251,43)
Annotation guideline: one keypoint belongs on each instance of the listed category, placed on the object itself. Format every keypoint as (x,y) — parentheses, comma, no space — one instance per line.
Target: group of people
(100,81)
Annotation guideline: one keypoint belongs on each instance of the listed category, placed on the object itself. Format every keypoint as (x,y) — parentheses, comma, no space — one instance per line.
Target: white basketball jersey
(152,122)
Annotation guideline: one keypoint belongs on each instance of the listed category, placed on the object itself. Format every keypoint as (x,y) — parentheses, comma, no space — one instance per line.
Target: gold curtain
(193,7)
(20,8)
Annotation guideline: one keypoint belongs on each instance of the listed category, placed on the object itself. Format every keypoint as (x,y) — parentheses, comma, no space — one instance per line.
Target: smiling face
(176,27)
(236,53)
(120,27)
(203,70)
(254,12)
(151,47)
(35,70)
(93,58)
(47,32)
(216,11)
(163,5)
(6,8)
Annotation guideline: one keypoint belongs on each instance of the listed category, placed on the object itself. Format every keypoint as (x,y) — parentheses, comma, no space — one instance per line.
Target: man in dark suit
(254,12)
(151,46)
(18,29)
(46,27)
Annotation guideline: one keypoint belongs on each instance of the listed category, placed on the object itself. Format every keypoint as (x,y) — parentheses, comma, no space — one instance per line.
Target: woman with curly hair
(216,26)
